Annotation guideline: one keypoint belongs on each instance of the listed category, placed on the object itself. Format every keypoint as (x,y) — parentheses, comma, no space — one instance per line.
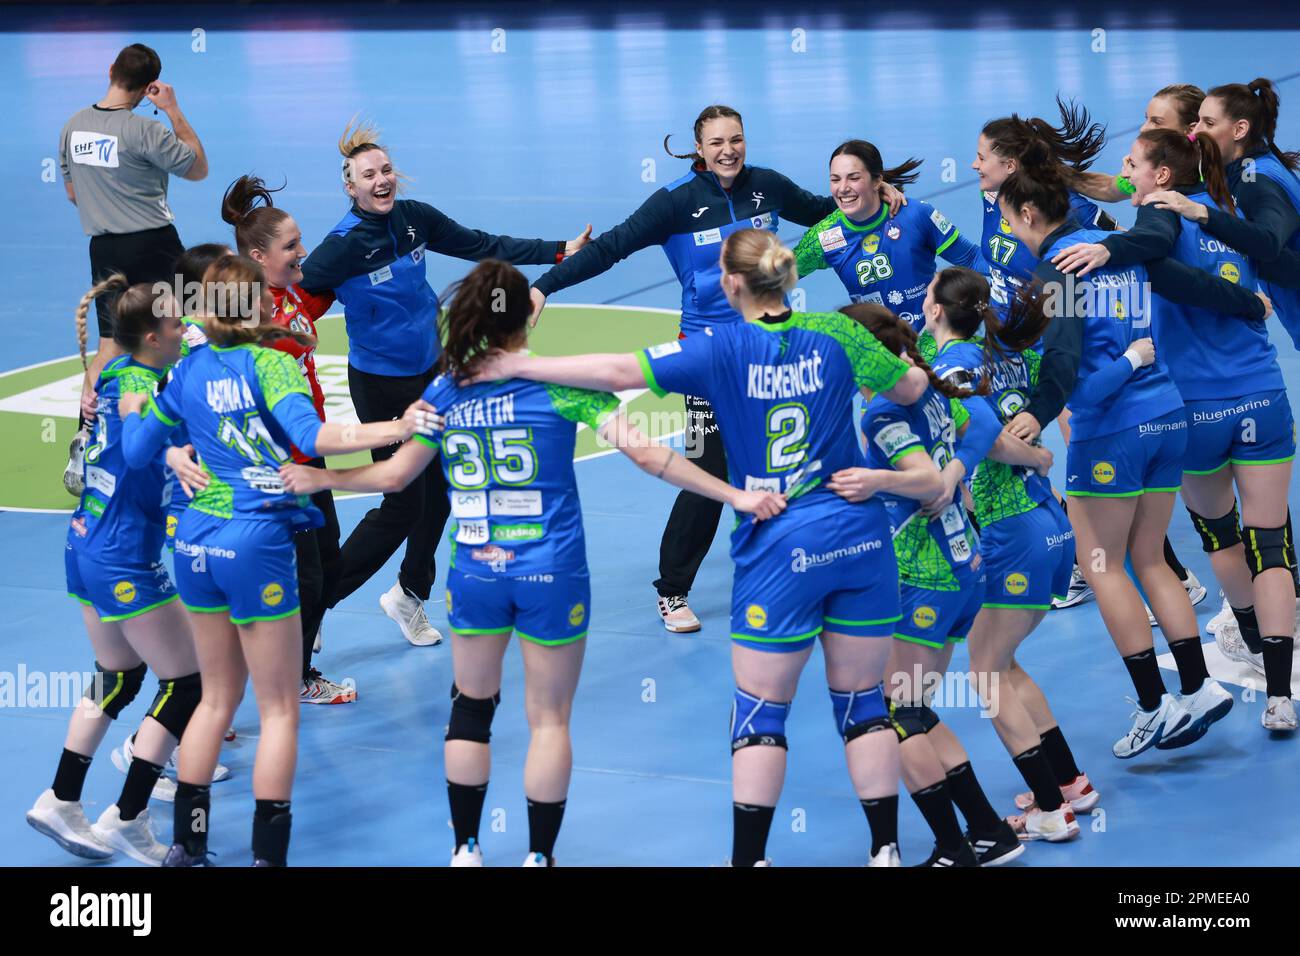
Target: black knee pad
(909,720)
(175,702)
(471,717)
(1267,548)
(1217,533)
(112,691)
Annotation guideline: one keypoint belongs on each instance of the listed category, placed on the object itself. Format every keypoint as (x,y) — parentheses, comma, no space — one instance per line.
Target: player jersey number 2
(510,458)
(787,437)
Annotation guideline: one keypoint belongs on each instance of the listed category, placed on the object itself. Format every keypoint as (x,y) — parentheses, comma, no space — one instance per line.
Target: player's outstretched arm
(667,465)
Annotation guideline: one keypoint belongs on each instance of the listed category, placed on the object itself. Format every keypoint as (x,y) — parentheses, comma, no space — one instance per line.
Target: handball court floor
(556,129)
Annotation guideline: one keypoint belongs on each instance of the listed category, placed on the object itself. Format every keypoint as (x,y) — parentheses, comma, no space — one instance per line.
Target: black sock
(190,817)
(140,778)
(271,823)
(544,826)
(969,796)
(70,776)
(466,809)
(1060,756)
(1278,652)
(935,805)
(882,818)
(1171,559)
(1037,771)
(1145,674)
(1248,624)
(750,826)
(1190,660)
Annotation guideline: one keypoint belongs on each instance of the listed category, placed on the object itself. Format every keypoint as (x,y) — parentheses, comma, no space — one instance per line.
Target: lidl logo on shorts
(871,243)
(1103,472)
(924,616)
(1016,583)
(577,614)
(1229,271)
(272,594)
(124,591)
(172,522)
(756,616)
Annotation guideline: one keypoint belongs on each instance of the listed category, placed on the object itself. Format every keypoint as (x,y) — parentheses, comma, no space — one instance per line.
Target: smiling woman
(374,262)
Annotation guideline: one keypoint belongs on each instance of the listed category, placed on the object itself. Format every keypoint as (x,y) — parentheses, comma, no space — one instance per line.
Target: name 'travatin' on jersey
(482,412)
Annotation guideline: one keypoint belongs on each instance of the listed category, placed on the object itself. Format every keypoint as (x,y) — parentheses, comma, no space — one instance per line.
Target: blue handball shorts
(246,568)
(935,618)
(1254,429)
(1028,558)
(548,609)
(117,587)
(1141,458)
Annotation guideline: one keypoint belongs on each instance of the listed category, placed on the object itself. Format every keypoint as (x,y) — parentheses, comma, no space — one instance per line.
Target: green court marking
(37,412)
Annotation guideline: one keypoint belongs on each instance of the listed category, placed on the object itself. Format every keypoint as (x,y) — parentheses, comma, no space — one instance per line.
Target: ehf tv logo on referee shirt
(93,149)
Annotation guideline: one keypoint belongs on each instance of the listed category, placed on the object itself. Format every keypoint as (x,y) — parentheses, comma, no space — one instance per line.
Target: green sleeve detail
(136,380)
(959,414)
(591,408)
(434,443)
(649,374)
(153,408)
(278,375)
(1032,361)
(926,345)
(948,242)
(808,254)
(874,366)
(905,452)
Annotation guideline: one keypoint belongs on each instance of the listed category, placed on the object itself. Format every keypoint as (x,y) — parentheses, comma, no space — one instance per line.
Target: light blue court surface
(560,128)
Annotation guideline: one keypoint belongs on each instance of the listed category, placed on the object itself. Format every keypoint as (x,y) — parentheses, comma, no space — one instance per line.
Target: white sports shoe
(1054,826)
(1078,592)
(408,611)
(135,837)
(1224,616)
(1149,726)
(1228,639)
(888,856)
(677,615)
(468,854)
(64,822)
(537,859)
(1209,703)
(1279,715)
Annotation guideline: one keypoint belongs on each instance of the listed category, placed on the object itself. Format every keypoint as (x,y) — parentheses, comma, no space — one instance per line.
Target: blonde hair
(362,136)
(114,283)
(232,293)
(762,260)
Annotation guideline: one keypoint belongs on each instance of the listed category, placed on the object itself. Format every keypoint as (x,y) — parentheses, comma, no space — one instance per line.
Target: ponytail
(255,225)
(1257,103)
(486,310)
(114,283)
(717,111)
(762,260)
(867,154)
(1192,160)
(1076,142)
(362,136)
(232,296)
(964,295)
(899,338)
(1039,181)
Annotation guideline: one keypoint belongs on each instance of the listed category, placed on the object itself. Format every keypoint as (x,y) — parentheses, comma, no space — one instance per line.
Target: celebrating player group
(888,537)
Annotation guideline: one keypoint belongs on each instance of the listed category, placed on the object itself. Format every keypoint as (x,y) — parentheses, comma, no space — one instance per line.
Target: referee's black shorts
(148,256)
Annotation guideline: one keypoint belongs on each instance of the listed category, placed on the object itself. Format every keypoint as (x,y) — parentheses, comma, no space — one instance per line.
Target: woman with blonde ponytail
(73,472)
(114,569)
(243,405)
(782,384)
(374,262)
